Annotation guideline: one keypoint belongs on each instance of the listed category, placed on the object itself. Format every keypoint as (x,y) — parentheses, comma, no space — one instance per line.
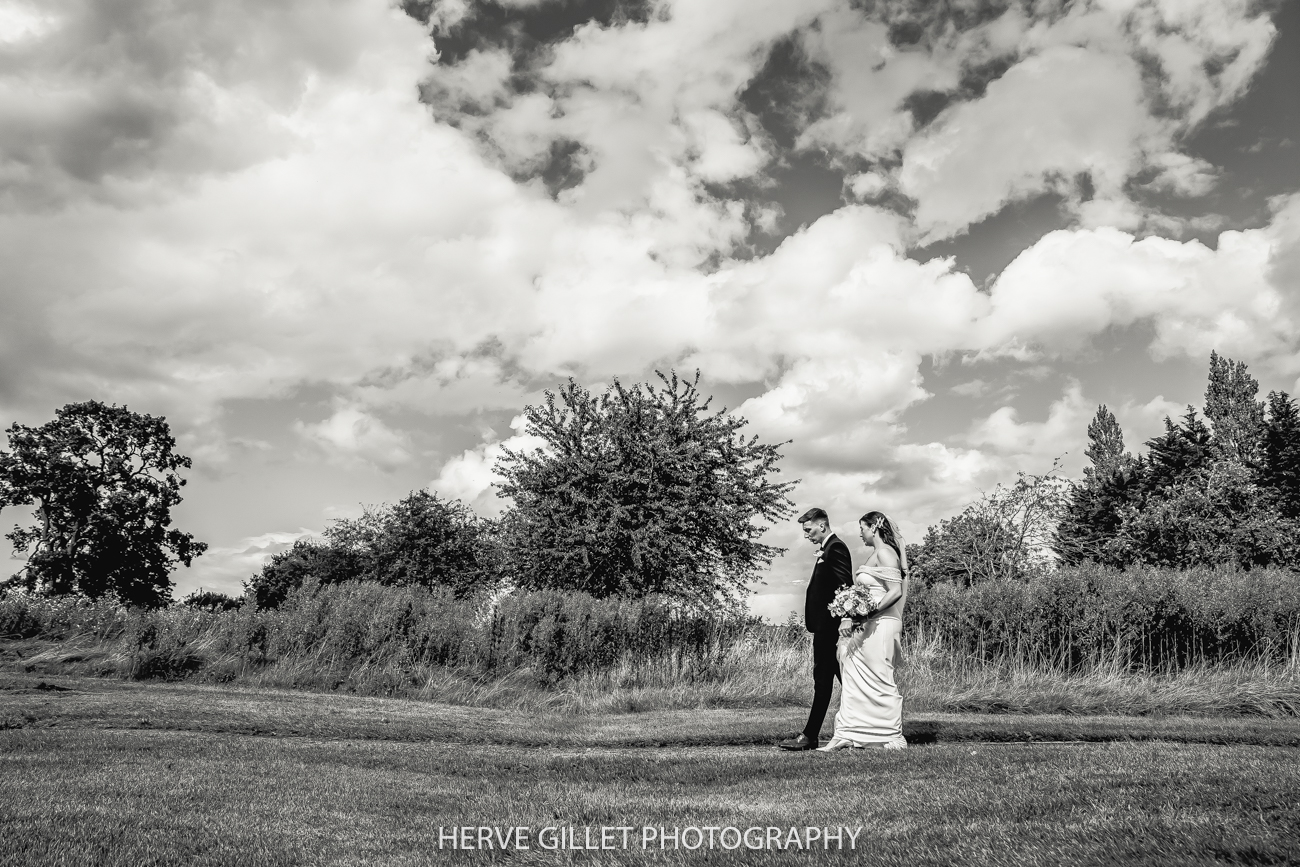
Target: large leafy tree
(970,548)
(1004,534)
(103,480)
(425,540)
(640,490)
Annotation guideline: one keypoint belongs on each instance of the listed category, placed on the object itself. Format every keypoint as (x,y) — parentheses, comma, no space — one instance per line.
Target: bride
(871,707)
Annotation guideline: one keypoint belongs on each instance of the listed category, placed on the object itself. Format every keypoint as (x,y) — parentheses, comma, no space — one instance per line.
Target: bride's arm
(893,591)
(892,595)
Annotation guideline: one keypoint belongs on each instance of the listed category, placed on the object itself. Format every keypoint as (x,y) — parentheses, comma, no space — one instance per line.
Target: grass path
(115,773)
(31,701)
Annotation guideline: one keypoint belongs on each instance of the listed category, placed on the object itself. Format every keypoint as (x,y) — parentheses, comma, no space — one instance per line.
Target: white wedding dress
(871,707)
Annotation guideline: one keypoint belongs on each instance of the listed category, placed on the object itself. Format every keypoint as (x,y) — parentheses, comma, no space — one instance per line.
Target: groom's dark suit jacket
(834,570)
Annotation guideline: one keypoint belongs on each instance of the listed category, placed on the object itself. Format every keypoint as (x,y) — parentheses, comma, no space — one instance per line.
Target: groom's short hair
(815,514)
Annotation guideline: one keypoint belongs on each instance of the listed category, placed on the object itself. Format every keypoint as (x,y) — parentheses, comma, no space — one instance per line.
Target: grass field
(108,772)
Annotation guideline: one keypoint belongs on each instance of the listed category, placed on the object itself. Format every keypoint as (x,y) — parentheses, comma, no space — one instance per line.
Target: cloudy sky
(340,243)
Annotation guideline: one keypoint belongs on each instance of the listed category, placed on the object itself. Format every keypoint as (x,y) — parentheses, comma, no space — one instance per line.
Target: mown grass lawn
(99,772)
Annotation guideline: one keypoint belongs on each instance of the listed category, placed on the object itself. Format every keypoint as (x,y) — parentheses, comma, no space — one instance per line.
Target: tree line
(642,489)
(1220,487)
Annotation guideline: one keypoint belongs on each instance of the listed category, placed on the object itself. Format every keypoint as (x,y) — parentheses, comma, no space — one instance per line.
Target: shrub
(420,541)
(207,600)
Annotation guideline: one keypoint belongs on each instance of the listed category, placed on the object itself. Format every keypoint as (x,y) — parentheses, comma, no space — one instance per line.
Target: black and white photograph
(633,432)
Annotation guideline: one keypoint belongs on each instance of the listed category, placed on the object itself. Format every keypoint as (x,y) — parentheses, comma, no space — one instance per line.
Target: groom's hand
(854,621)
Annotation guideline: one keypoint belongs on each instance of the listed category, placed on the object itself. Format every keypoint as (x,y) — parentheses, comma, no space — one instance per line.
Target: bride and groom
(860,651)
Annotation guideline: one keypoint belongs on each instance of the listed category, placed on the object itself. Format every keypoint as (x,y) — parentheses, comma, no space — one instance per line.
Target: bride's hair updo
(886,530)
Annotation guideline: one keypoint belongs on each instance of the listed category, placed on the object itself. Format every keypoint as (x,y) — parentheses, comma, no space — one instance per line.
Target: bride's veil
(902,558)
(902,545)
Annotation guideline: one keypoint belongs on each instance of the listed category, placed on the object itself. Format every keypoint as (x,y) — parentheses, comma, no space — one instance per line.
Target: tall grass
(403,641)
(1077,640)
(1138,620)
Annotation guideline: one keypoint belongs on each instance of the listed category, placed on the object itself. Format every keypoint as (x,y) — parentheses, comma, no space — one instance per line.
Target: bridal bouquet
(854,601)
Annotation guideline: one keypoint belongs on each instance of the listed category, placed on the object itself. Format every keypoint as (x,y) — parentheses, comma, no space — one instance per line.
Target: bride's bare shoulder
(885,556)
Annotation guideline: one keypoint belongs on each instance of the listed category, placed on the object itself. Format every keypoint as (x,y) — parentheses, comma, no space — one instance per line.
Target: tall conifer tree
(1093,516)
(1105,444)
(1180,451)
(1281,452)
(1230,406)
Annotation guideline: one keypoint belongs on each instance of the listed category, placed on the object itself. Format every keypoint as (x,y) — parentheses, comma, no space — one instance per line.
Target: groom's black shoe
(796,744)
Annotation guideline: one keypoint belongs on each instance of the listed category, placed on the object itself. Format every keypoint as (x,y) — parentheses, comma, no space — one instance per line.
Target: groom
(834,569)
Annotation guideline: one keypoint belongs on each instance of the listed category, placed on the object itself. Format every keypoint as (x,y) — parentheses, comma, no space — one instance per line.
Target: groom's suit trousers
(825,669)
(833,570)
